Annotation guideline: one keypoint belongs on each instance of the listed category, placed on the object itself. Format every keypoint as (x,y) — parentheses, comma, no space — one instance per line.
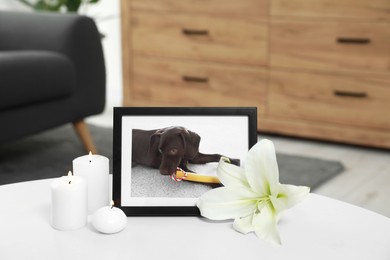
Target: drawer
(312,44)
(346,100)
(200,37)
(175,83)
(230,7)
(372,9)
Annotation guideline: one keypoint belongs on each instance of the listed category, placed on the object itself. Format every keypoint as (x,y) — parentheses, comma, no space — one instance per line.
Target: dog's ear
(154,143)
(191,143)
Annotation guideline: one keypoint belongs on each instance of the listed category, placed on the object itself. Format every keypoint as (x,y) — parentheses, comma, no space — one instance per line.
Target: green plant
(57,5)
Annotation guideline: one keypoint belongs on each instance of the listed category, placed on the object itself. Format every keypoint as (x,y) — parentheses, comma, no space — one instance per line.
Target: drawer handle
(342,93)
(195,79)
(343,40)
(195,32)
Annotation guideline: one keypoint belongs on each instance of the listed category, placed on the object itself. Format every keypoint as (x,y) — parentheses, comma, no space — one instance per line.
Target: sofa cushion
(28,77)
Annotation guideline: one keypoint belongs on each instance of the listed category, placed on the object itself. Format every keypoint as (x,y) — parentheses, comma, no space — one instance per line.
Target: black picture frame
(233,129)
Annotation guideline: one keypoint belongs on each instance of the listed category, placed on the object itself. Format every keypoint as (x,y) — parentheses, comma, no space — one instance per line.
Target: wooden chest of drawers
(200,37)
(330,45)
(317,69)
(171,82)
(345,100)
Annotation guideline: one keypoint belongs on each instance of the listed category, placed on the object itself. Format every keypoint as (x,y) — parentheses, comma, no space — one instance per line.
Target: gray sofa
(52,72)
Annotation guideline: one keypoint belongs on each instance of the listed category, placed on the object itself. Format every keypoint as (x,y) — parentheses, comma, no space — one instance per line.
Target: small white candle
(68,203)
(109,219)
(95,170)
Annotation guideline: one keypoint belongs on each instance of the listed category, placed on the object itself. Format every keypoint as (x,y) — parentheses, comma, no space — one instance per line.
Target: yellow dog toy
(188,176)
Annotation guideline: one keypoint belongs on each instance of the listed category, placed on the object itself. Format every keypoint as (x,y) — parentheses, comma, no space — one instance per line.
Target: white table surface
(317,228)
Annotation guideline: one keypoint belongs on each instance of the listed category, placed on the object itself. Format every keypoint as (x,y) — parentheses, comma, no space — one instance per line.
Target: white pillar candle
(95,170)
(69,203)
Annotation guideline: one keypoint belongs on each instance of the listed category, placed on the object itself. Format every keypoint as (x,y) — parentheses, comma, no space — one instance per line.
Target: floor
(365,181)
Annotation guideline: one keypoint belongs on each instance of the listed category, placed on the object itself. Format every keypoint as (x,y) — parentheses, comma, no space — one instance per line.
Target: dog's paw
(235,161)
(186,169)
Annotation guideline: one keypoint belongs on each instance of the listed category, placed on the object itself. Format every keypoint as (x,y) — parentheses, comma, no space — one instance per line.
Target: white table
(318,228)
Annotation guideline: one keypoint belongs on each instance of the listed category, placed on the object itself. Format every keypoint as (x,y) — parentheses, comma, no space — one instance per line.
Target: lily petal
(261,167)
(230,174)
(244,225)
(287,196)
(252,196)
(227,203)
(265,224)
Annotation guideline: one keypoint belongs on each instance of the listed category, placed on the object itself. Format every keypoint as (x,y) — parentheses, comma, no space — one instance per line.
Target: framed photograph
(158,149)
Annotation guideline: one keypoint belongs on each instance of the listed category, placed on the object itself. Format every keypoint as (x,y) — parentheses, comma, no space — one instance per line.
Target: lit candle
(95,170)
(109,219)
(69,202)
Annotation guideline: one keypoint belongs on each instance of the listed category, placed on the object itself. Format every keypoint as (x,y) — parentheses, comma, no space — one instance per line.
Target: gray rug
(50,154)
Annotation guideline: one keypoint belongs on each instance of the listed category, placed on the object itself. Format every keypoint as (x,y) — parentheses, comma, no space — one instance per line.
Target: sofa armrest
(72,35)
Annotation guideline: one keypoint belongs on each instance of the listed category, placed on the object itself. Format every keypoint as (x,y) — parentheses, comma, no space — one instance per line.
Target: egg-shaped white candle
(68,203)
(109,219)
(95,170)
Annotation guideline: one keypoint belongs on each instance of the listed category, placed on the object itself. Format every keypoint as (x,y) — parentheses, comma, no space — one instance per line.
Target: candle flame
(90,156)
(70,173)
(112,203)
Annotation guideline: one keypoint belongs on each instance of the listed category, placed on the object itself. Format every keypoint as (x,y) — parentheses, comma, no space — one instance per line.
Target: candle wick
(69,182)
(112,206)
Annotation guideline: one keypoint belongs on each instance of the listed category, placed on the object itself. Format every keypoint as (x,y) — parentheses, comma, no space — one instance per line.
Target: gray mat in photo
(50,154)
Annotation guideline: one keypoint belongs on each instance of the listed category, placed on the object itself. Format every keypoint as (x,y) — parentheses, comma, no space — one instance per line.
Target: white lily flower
(252,196)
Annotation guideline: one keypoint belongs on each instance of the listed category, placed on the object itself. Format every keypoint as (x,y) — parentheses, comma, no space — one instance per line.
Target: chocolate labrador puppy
(169,148)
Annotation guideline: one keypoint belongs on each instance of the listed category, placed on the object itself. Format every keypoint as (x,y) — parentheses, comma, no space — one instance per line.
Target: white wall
(107,16)
(12,5)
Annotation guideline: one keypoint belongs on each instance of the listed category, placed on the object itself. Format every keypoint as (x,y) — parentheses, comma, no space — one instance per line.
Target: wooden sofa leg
(82,131)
